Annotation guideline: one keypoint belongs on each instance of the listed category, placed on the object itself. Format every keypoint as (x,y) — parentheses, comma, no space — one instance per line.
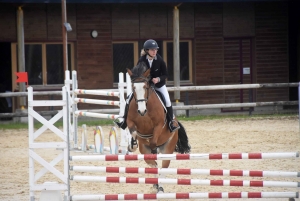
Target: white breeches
(165,92)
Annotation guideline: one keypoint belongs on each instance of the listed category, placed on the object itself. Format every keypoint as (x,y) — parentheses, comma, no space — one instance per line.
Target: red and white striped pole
(187,196)
(204,182)
(185,156)
(133,170)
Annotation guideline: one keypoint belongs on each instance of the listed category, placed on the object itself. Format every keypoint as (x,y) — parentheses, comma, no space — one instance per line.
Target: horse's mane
(139,69)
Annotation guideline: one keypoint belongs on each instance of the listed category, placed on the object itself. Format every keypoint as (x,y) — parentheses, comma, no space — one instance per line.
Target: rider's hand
(155,80)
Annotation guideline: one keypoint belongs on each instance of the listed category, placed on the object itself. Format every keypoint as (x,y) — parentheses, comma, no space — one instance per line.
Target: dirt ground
(276,134)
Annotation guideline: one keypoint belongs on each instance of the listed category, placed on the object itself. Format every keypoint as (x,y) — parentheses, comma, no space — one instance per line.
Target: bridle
(140,80)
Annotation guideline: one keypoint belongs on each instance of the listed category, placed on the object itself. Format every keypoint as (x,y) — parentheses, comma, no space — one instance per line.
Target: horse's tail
(182,145)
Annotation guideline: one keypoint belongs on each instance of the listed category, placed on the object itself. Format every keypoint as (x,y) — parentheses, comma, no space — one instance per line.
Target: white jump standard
(120,103)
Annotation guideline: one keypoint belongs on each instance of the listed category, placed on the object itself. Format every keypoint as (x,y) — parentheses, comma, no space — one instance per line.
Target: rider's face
(152,52)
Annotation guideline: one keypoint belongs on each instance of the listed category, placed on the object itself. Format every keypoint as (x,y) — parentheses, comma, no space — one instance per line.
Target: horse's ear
(146,74)
(129,72)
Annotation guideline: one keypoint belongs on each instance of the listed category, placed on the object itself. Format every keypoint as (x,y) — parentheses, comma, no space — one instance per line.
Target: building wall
(209,50)
(272,65)
(208,25)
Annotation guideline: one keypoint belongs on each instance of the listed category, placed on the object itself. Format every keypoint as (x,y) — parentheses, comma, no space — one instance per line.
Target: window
(44,63)
(126,55)
(185,52)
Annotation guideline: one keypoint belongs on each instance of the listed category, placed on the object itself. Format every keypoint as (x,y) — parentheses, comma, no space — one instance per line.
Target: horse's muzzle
(142,113)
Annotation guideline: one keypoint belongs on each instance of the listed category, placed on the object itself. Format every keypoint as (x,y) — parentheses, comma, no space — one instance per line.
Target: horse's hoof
(155,186)
(130,149)
(160,190)
(154,151)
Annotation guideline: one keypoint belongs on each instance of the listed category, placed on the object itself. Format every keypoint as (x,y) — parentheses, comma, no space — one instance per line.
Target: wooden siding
(186,21)
(272,49)
(35,22)
(8,25)
(54,29)
(246,62)
(209,50)
(238,19)
(153,21)
(94,55)
(232,69)
(40,28)
(125,21)
(237,56)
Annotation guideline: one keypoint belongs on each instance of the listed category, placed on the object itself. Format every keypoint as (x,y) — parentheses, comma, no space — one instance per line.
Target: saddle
(162,99)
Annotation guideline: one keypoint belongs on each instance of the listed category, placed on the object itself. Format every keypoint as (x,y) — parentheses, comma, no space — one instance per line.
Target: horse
(146,121)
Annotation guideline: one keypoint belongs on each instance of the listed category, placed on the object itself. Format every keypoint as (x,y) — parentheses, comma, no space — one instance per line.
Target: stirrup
(172,127)
(118,124)
(121,124)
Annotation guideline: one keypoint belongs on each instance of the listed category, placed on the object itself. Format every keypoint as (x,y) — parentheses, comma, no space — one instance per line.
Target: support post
(21,54)
(64,34)
(176,60)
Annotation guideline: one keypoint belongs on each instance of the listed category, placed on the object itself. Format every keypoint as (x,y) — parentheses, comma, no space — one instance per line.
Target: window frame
(44,85)
(165,56)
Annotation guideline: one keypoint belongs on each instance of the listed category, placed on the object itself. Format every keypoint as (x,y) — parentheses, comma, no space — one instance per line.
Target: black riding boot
(123,124)
(170,120)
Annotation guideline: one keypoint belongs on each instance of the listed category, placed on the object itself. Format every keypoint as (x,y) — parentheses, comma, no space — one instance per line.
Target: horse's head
(140,88)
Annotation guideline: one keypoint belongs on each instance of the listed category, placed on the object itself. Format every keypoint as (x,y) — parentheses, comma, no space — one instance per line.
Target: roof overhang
(129,1)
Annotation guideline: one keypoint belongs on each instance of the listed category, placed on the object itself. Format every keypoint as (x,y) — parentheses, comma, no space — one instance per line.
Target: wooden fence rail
(184,107)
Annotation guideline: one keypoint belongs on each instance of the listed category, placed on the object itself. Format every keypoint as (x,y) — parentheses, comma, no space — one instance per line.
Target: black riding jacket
(158,69)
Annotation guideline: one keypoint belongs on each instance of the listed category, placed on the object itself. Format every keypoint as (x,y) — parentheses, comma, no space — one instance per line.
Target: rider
(159,75)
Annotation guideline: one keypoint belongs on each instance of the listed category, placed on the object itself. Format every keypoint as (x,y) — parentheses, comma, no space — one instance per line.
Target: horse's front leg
(153,141)
(132,129)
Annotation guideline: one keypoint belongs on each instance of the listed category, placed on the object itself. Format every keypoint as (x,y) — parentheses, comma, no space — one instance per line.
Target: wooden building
(221,42)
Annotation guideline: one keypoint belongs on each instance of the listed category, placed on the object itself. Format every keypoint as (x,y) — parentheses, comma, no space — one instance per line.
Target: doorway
(238,69)
(5,77)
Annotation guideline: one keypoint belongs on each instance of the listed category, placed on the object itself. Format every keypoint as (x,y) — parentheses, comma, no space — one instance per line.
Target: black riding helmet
(150,44)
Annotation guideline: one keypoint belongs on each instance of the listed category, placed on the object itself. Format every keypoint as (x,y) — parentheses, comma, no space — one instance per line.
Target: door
(237,70)
(5,78)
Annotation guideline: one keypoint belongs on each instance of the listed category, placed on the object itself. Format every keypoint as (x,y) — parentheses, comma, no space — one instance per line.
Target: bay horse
(146,121)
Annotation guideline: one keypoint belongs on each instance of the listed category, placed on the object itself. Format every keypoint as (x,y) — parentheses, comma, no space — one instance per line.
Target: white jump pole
(121,85)
(181,171)
(74,108)
(68,84)
(201,182)
(97,92)
(200,156)
(175,196)
(83,138)
(128,82)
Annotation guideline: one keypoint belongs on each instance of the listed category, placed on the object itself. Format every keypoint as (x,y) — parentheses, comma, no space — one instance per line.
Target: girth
(149,136)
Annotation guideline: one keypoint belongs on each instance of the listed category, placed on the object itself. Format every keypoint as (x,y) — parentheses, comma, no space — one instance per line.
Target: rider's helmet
(150,44)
